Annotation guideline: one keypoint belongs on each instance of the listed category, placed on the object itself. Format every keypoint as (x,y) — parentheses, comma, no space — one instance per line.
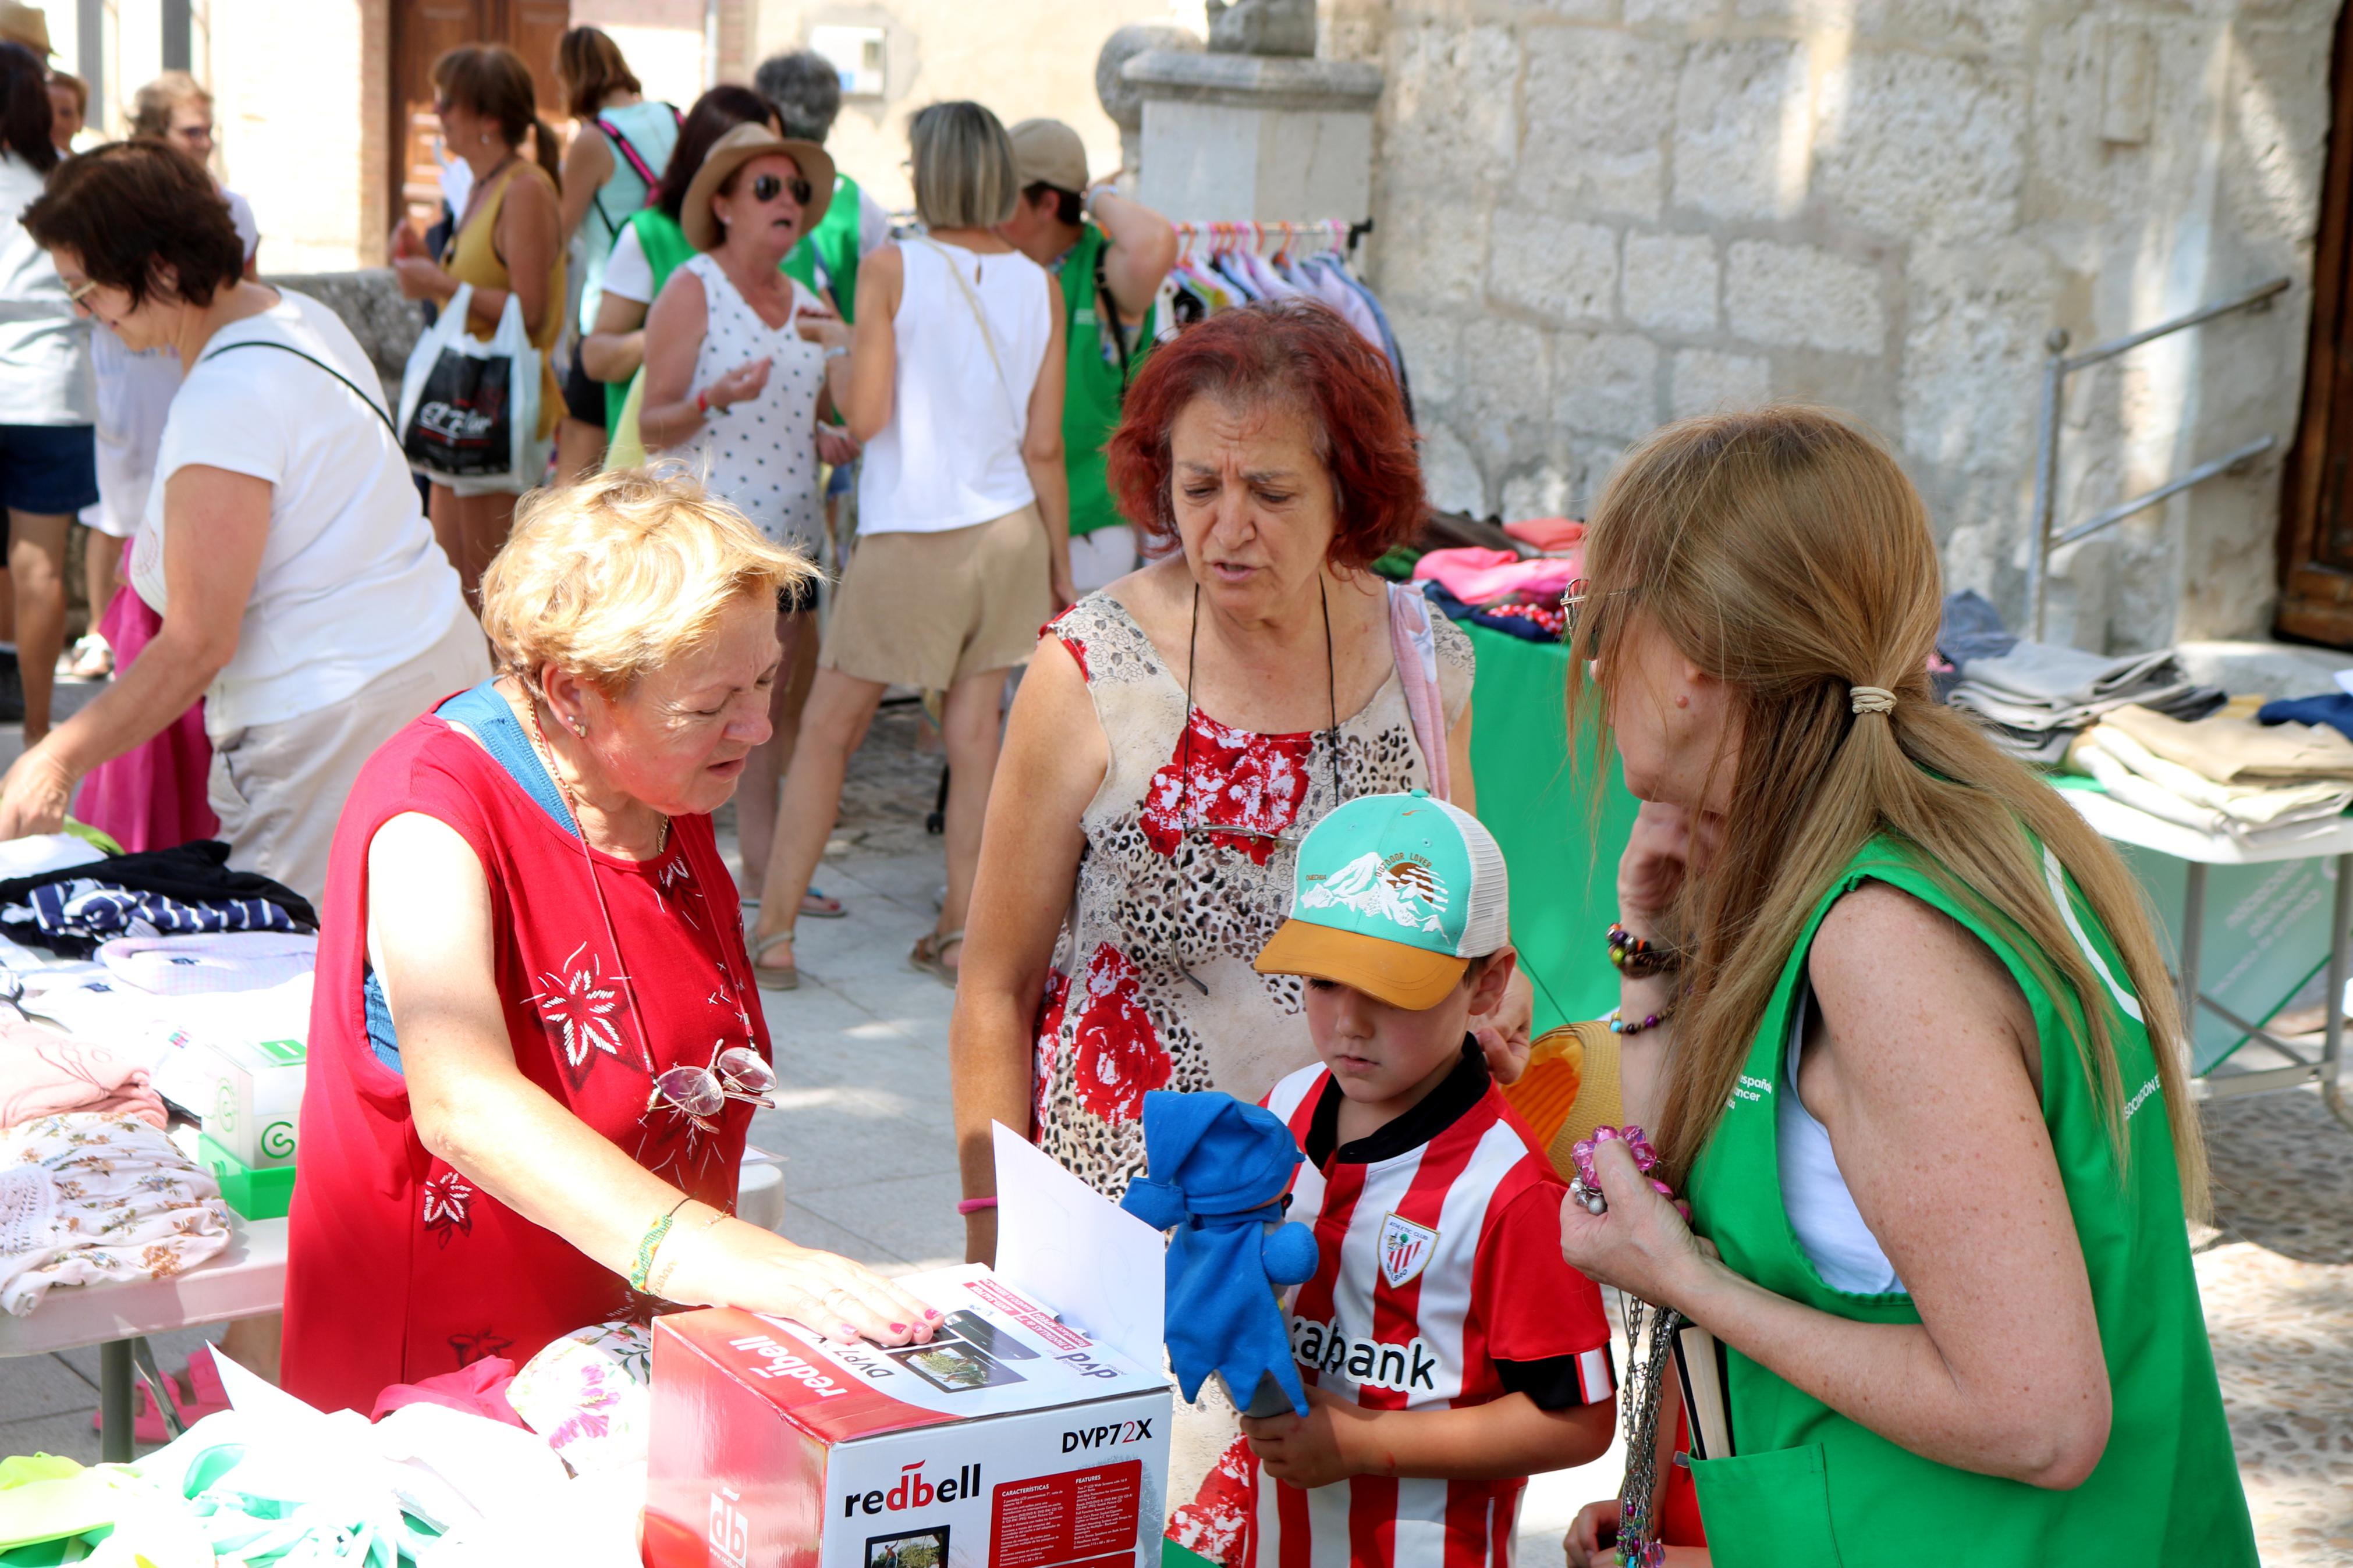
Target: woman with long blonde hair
(1915,1065)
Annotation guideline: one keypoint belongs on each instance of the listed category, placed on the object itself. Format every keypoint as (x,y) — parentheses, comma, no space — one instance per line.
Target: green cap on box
(1393,896)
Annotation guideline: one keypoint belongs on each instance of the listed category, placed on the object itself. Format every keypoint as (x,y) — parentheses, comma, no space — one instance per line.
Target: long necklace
(1638,1544)
(1188,827)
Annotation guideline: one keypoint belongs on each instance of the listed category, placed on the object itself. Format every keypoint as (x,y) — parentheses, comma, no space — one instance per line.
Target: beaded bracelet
(1637,958)
(649,1243)
(1620,1025)
(659,1279)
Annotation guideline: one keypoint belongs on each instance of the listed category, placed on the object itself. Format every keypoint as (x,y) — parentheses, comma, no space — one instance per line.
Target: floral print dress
(1162,895)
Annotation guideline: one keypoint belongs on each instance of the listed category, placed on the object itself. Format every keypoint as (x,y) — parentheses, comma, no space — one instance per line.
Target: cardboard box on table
(1012,1440)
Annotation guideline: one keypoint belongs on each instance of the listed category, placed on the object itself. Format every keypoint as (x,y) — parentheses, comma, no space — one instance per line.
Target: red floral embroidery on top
(1235,778)
(1049,1045)
(1119,1056)
(448,1206)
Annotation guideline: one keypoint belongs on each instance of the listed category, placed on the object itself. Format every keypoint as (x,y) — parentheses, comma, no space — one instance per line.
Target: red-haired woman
(1177,733)
(1181,730)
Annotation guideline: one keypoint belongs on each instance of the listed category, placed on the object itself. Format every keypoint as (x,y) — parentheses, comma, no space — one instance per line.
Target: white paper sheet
(1059,1240)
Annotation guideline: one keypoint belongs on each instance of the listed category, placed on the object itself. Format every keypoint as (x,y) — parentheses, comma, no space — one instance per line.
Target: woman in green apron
(1904,1038)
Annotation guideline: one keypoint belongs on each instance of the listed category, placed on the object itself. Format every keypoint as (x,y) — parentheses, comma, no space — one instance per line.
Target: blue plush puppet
(1216,1170)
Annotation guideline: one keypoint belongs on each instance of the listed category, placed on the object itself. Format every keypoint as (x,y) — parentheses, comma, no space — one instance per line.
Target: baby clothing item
(147,1029)
(210,962)
(88,1198)
(590,1394)
(45,1073)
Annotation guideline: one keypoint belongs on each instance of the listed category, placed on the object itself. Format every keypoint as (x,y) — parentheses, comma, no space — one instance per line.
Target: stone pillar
(1239,137)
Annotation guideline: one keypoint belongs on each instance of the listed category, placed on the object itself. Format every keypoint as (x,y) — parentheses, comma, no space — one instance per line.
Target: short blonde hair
(617,574)
(963,166)
(152,109)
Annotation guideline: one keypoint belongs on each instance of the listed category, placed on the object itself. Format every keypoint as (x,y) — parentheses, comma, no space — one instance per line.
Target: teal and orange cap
(1394,895)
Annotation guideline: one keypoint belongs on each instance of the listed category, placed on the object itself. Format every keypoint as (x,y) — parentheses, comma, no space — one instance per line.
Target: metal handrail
(2055,372)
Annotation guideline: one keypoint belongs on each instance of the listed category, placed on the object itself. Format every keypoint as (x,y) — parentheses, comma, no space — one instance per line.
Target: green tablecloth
(1563,858)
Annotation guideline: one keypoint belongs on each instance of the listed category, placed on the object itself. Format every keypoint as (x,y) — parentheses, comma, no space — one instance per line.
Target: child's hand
(1311,1450)
(1592,1539)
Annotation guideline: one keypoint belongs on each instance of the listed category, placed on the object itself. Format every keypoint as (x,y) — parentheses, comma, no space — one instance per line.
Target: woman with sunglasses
(537,1044)
(733,388)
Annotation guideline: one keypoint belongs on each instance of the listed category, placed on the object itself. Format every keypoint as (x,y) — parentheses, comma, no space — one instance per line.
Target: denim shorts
(50,470)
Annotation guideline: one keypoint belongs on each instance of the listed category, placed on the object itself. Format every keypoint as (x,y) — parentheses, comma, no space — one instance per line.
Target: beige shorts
(279,789)
(929,609)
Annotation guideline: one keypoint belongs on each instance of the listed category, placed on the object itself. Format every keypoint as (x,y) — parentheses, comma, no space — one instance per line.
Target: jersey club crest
(1405,1250)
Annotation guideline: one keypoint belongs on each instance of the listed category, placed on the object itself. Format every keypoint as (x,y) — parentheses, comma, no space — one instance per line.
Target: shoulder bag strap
(980,319)
(322,364)
(1413,644)
(1107,315)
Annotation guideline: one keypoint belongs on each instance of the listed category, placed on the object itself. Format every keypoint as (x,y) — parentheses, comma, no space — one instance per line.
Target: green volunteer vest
(665,247)
(834,241)
(1807,1485)
(1091,394)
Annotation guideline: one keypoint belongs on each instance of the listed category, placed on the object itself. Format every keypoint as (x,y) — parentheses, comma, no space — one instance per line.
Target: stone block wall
(1595,215)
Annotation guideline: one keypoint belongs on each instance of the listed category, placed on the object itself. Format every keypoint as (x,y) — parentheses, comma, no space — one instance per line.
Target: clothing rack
(1223,238)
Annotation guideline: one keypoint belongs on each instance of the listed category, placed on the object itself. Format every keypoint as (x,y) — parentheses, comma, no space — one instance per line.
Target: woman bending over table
(1917,1067)
(536,1043)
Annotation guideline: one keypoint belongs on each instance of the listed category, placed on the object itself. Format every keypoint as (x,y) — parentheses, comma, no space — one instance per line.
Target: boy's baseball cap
(1048,151)
(1394,895)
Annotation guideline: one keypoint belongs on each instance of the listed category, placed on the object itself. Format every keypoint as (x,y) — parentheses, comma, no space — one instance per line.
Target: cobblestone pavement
(864,1131)
(2276,1276)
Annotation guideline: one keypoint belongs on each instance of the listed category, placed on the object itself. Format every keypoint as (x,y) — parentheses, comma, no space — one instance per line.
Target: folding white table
(246,1277)
(2126,825)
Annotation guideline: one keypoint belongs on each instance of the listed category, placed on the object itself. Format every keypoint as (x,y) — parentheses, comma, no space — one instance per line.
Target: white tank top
(760,455)
(951,456)
(1829,1227)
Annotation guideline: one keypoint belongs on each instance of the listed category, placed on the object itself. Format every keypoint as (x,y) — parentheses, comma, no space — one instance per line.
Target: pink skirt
(154,796)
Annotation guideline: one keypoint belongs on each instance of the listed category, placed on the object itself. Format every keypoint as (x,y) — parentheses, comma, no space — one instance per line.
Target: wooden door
(422,30)
(2316,488)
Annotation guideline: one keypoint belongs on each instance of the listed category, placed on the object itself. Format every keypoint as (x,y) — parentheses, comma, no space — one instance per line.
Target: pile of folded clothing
(185,888)
(2036,698)
(1504,591)
(2228,774)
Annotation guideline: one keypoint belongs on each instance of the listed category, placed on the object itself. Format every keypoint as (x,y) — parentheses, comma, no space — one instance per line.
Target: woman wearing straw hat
(732,385)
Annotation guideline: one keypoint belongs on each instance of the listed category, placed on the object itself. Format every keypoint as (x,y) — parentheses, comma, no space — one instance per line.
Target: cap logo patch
(1405,1250)
(1401,889)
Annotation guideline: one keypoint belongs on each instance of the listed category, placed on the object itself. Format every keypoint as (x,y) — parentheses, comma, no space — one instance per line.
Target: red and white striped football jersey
(1440,1259)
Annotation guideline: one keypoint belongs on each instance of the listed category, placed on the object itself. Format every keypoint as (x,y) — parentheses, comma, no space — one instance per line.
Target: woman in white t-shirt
(302,593)
(735,389)
(954,382)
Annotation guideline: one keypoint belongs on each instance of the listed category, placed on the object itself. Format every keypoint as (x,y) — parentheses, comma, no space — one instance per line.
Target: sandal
(928,954)
(816,906)
(774,976)
(91,658)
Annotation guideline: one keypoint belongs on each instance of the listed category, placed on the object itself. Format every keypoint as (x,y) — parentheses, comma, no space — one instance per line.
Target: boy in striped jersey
(1448,1351)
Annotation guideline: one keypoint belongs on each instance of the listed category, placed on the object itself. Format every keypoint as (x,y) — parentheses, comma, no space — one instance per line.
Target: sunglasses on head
(766,189)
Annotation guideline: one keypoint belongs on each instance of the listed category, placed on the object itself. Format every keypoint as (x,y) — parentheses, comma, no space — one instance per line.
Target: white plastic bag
(469,409)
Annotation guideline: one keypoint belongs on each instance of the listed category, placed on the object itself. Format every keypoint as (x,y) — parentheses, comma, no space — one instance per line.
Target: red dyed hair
(1292,351)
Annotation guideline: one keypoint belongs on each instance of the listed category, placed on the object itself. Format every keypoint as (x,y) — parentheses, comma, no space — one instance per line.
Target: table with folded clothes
(113,968)
(2036,697)
(2247,817)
